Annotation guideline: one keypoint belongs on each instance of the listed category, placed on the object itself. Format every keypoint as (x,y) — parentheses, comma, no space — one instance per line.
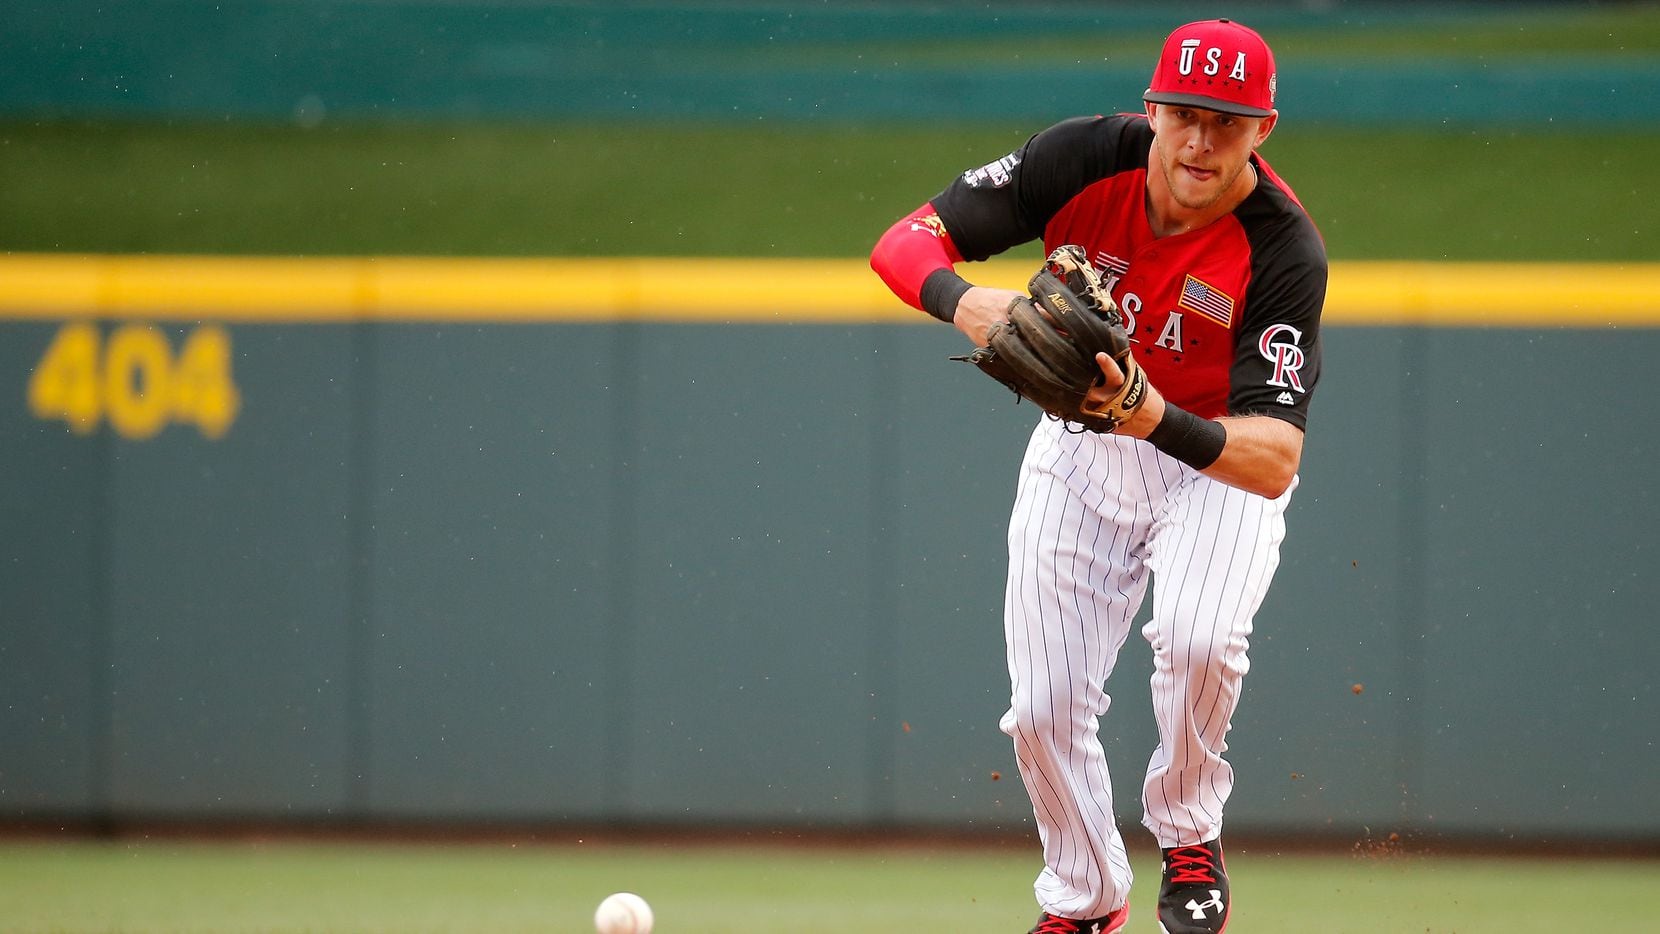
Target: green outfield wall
(311,61)
(382,539)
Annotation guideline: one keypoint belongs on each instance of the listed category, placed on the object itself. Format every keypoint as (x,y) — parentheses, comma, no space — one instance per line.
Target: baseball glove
(1046,351)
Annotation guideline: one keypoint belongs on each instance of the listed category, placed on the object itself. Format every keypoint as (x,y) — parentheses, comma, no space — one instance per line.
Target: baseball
(623,913)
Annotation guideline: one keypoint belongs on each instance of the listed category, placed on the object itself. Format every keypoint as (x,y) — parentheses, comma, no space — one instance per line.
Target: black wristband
(1196,442)
(940,293)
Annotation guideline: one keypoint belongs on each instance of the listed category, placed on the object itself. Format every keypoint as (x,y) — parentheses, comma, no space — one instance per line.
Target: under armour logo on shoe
(1198,907)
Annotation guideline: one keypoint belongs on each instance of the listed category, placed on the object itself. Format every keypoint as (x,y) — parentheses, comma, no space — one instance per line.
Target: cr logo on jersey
(1286,356)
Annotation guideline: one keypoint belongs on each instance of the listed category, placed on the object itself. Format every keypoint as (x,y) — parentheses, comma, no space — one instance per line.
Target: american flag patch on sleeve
(1213,303)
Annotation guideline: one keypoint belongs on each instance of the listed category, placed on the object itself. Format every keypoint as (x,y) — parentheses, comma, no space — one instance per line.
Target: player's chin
(1197,197)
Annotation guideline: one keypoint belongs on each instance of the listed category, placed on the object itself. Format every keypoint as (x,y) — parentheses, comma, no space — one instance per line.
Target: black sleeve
(1009,201)
(1277,354)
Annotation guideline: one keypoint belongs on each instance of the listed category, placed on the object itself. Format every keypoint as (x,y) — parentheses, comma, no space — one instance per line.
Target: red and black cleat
(1110,924)
(1193,896)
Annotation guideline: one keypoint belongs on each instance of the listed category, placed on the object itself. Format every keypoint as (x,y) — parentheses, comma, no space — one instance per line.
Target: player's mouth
(1202,175)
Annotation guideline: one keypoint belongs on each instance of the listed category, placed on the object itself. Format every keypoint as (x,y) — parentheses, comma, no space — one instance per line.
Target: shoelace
(1054,925)
(1191,864)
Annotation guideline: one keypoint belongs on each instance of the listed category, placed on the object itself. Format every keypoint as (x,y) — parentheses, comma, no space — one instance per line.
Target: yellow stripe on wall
(785,291)
(1581,295)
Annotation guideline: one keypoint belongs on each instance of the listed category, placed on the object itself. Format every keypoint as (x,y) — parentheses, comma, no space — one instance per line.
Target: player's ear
(1152,110)
(1266,127)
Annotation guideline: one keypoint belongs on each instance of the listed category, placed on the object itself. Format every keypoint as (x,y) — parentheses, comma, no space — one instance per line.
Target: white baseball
(623,913)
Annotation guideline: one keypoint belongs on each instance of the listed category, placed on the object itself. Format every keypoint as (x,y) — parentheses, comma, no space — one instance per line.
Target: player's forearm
(914,258)
(979,308)
(1256,453)
(1261,454)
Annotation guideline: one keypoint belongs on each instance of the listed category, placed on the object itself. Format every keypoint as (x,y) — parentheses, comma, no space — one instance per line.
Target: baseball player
(1220,277)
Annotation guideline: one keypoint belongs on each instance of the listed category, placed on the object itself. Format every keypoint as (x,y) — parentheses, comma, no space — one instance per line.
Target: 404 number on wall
(134,379)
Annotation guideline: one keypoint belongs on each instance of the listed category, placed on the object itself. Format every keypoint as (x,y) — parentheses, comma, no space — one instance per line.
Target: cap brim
(1207,103)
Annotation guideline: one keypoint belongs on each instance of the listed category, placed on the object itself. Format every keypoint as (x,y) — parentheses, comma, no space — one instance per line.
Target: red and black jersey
(1225,319)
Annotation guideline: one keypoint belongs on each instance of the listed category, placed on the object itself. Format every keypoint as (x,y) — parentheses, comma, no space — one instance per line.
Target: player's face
(1203,153)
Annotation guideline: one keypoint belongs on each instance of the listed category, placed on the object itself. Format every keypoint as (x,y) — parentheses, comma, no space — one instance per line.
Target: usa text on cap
(1216,64)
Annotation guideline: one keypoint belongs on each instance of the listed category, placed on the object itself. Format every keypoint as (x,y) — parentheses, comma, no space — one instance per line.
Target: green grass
(766,189)
(598,189)
(700,889)
(1628,33)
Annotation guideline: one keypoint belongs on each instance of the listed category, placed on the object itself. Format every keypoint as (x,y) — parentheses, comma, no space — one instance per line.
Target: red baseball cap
(1216,64)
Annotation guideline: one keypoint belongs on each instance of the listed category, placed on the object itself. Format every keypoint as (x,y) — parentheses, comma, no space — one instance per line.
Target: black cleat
(1111,924)
(1193,898)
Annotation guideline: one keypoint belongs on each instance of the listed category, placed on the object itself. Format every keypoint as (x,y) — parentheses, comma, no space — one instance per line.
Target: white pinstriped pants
(1092,515)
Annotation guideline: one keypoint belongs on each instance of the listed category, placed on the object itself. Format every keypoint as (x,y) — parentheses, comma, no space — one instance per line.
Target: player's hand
(980,308)
(1145,419)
